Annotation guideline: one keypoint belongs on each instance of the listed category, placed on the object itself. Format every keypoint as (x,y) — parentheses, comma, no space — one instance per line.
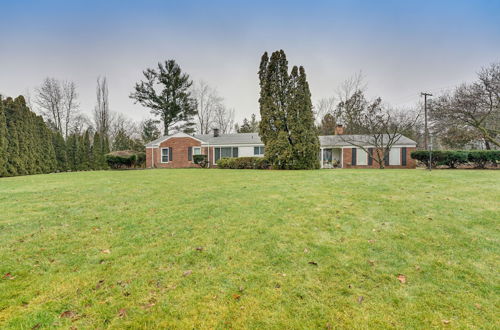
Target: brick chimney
(339,129)
(216,132)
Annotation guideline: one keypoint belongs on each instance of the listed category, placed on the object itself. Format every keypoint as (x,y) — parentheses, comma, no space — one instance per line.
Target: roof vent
(216,132)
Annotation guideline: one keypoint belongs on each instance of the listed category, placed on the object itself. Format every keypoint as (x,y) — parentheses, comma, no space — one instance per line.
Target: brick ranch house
(177,150)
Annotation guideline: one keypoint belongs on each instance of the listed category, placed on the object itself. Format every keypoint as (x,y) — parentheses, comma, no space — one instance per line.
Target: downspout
(208,152)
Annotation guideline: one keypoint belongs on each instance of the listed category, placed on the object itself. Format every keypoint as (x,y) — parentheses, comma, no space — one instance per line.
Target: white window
(395,156)
(196,151)
(257,151)
(362,157)
(164,155)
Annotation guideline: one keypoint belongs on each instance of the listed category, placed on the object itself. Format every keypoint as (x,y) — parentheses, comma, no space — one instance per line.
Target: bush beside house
(126,159)
(257,163)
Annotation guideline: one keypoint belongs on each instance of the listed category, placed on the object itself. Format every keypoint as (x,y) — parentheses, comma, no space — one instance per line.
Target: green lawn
(258,249)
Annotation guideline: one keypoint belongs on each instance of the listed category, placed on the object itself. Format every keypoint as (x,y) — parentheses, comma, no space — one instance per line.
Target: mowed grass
(276,249)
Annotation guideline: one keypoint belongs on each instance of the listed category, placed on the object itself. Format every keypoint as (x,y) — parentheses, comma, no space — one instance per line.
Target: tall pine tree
(287,120)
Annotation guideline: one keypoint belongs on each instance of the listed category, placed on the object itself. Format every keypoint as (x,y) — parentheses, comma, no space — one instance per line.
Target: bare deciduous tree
(325,106)
(57,101)
(379,127)
(207,101)
(472,107)
(223,119)
(101,110)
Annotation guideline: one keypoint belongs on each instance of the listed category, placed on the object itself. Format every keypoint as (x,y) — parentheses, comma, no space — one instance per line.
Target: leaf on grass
(122,312)
(371,262)
(306,250)
(446,321)
(371,241)
(68,314)
(106,251)
(478,306)
(36,326)
(236,296)
(187,273)
(9,276)
(314,263)
(360,299)
(401,278)
(199,248)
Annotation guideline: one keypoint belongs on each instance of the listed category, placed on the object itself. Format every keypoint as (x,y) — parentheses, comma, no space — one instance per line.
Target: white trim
(161,155)
(234,145)
(225,146)
(194,149)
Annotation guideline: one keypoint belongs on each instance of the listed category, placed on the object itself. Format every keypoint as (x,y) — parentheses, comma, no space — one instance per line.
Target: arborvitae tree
(287,120)
(46,149)
(60,151)
(72,146)
(302,131)
(99,151)
(84,152)
(3,140)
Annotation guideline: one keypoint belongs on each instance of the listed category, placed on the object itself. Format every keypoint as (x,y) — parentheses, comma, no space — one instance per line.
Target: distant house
(177,150)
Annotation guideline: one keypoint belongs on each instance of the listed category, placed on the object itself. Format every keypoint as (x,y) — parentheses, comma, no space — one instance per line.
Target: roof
(254,139)
(365,140)
(235,138)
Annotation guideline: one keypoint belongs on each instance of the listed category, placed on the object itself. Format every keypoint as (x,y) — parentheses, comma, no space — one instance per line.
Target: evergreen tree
(3,140)
(84,152)
(60,151)
(149,130)
(328,124)
(98,152)
(72,144)
(287,120)
(248,126)
(167,92)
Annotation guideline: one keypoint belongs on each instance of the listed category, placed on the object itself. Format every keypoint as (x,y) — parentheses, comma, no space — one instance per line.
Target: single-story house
(177,150)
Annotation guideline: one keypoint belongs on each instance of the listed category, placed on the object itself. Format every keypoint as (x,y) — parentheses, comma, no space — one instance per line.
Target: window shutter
(403,156)
(370,155)
(235,152)
(217,154)
(190,153)
(353,157)
(386,157)
(255,150)
(170,156)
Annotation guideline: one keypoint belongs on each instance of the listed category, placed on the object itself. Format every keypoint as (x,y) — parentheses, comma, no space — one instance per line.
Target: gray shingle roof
(347,140)
(254,139)
(236,138)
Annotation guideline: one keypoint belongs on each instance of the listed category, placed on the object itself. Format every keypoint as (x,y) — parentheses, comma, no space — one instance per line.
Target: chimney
(216,132)
(339,129)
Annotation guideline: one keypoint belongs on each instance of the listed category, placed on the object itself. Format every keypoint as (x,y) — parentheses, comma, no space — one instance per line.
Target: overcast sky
(402,47)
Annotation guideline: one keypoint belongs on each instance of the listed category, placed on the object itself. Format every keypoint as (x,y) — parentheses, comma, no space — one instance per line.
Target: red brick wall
(347,160)
(179,147)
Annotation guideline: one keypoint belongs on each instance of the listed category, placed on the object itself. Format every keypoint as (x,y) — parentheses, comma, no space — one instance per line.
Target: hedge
(201,160)
(125,159)
(258,163)
(453,158)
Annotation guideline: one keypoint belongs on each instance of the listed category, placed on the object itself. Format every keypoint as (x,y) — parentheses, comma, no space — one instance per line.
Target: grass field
(257,249)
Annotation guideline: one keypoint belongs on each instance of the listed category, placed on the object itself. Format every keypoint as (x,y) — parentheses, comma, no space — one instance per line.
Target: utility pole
(426,131)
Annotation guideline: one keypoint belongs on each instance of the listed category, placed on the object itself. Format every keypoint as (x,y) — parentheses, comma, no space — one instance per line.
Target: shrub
(482,157)
(453,158)
(201,160)
(243,163)
(125,159)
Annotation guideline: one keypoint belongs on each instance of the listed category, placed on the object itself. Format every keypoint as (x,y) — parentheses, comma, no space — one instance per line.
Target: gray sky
(402,47)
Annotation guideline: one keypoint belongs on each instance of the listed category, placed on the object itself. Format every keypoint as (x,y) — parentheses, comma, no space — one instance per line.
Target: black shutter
(170,152)
(353,156)
(217,154)
(403,156)
(235,152)
(386,156)
(190,153)
(370,156)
